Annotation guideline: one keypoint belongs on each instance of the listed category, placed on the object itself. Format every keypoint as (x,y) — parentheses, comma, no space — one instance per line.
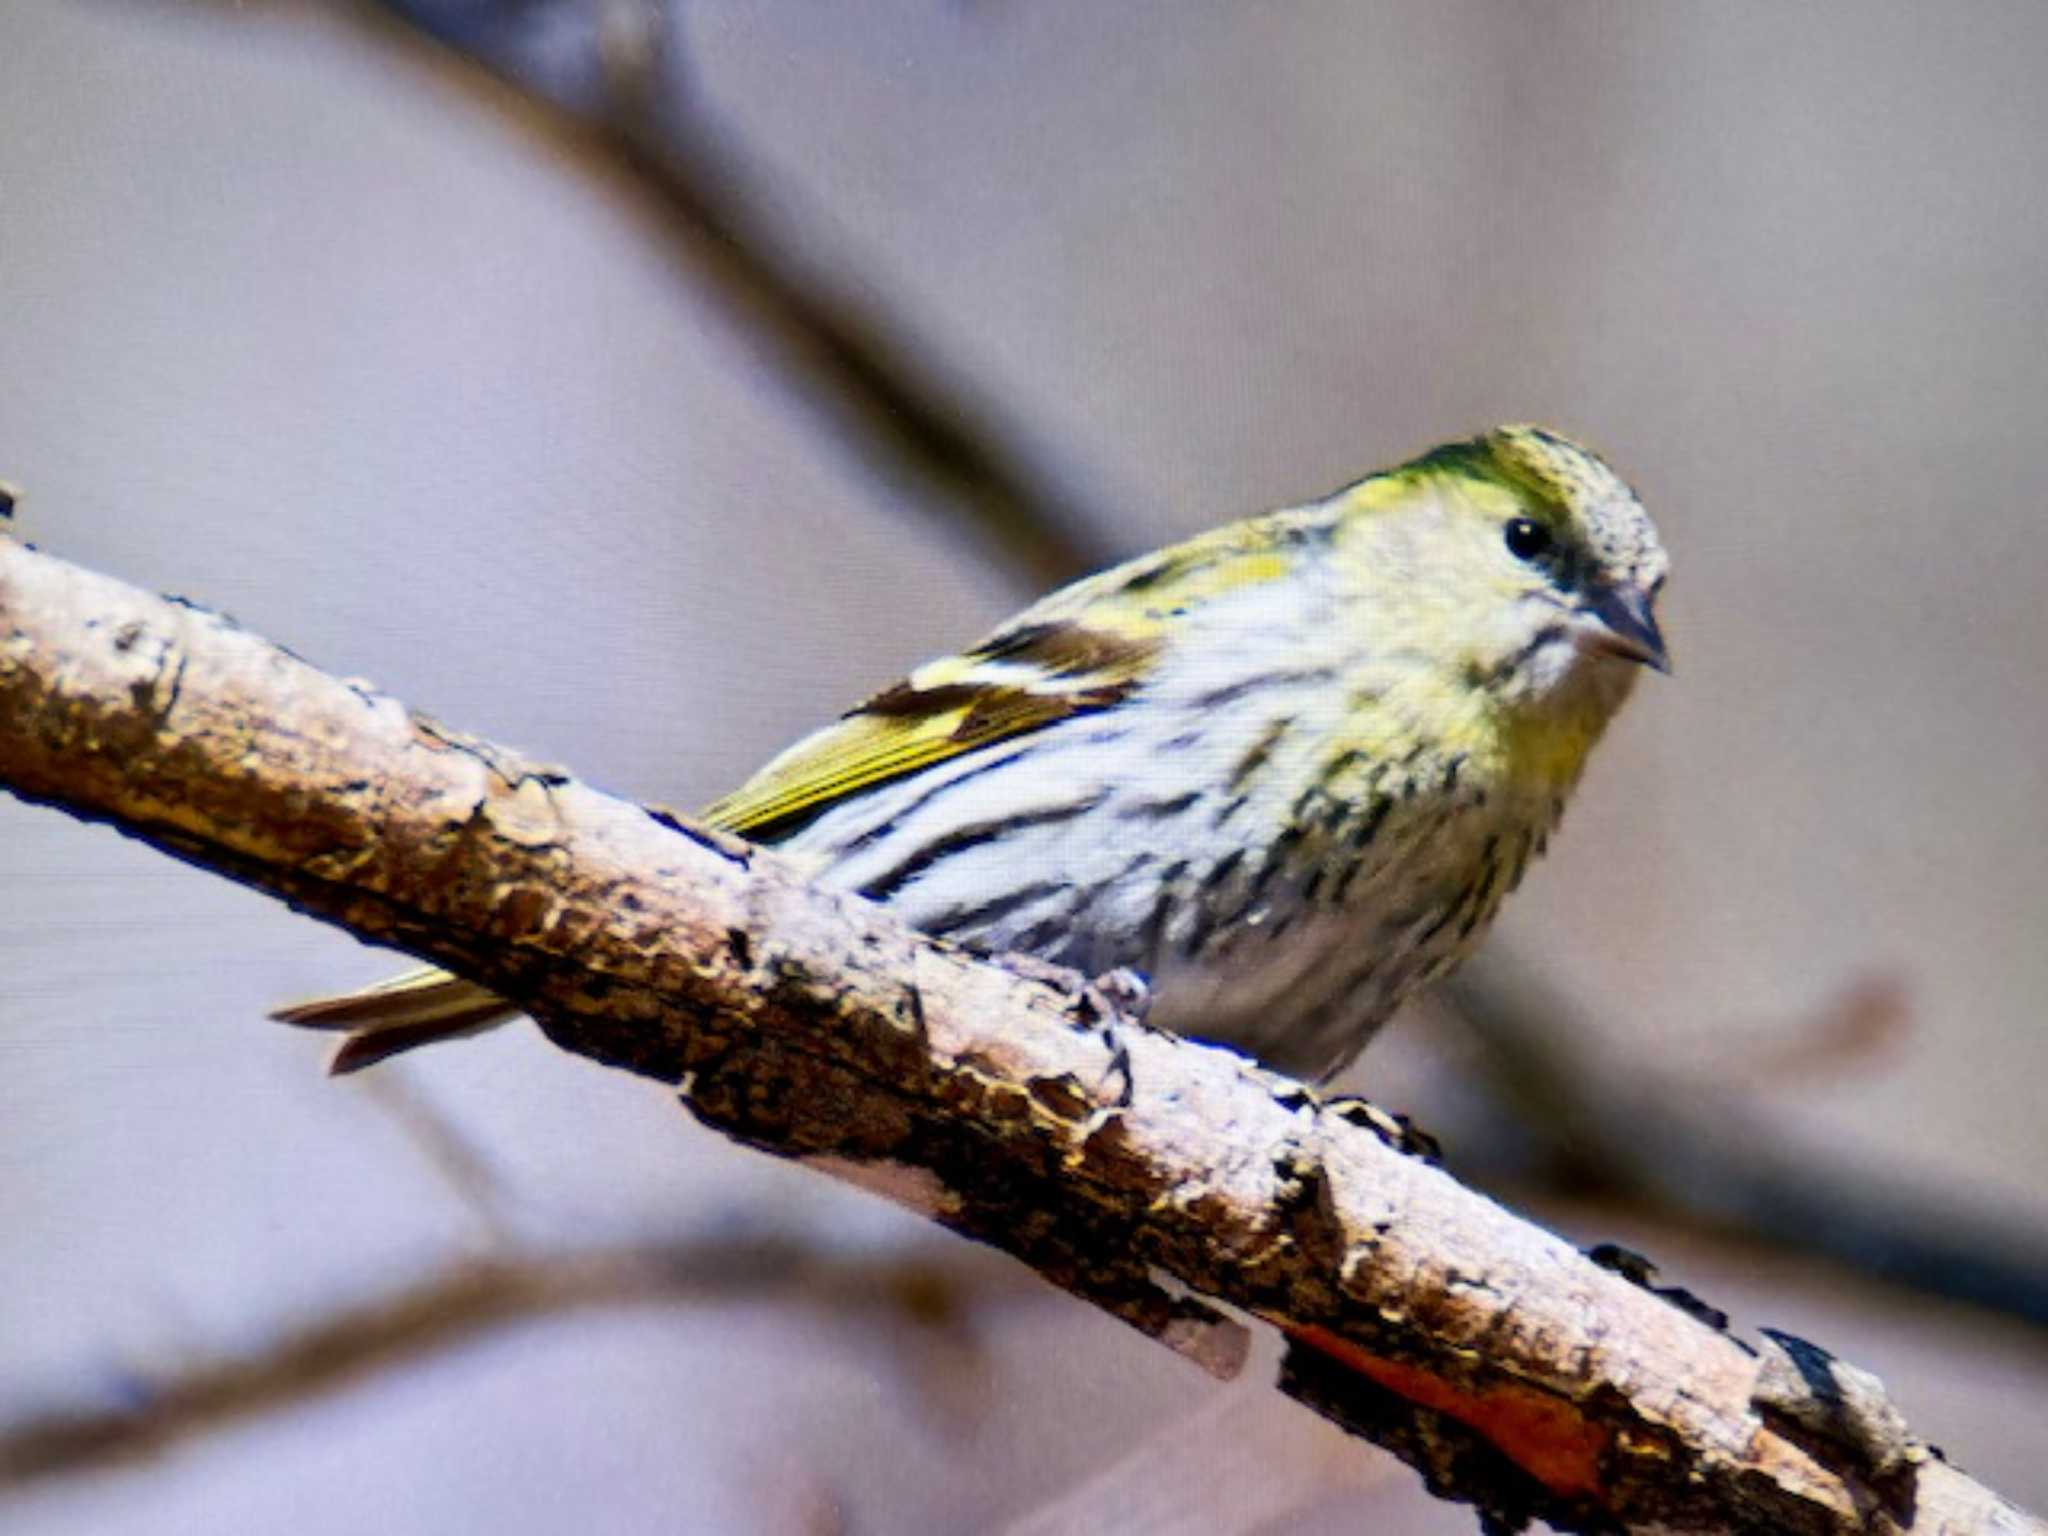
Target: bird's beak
(1619,623)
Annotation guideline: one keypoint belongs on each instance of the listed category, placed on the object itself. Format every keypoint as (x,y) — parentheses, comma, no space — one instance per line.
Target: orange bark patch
(1543,1434)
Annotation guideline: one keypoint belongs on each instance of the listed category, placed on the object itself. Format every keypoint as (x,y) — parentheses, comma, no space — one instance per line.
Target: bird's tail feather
(416,1008)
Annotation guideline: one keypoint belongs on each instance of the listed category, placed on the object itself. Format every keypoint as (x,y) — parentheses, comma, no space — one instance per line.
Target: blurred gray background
(295,322)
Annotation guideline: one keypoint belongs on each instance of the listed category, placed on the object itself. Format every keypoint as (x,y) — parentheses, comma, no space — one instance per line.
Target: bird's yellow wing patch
(1083,648)
(1019,680)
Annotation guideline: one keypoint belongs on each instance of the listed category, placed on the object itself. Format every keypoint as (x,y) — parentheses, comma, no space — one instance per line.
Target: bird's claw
(1127,993)
(1640,1271)
(1397,1131)
(1118,996)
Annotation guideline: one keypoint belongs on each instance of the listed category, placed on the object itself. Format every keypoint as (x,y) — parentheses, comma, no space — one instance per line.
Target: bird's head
(1527,565)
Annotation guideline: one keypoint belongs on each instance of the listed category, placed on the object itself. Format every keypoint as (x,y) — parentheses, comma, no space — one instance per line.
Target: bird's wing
(1019,680)
(1085,647)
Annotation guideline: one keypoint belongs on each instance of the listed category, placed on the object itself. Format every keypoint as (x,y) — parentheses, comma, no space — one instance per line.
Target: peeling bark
(1152,1176)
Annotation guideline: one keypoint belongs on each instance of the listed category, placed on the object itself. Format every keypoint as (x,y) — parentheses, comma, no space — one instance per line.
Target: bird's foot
(1101,1003)
(1118,996)
(1397,1131)
(1640,1271)
(1127,992)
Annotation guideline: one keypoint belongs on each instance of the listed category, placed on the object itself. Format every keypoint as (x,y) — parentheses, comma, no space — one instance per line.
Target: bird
(1280,775)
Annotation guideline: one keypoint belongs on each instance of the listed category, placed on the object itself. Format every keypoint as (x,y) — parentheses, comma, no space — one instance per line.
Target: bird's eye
(1526,538)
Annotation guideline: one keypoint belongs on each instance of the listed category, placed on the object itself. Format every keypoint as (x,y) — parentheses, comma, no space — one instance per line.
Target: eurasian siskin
(1286,770)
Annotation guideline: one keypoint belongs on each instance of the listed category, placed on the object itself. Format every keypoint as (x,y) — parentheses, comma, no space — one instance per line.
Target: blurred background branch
(447,1309)
(605,78)
(1682,1149)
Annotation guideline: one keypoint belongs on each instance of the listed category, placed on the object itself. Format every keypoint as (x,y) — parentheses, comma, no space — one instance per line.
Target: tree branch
(1148,1175)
